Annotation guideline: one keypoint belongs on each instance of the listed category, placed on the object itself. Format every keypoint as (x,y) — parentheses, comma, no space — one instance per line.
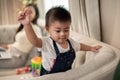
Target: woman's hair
(57,14)
(34,21)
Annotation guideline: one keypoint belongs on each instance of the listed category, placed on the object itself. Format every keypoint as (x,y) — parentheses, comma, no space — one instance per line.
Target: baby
(58,50)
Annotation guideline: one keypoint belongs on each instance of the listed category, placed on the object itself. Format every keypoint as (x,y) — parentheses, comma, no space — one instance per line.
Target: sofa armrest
(7,33)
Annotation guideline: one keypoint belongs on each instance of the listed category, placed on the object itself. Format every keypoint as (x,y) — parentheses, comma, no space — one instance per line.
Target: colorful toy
(36,65)
(23,70)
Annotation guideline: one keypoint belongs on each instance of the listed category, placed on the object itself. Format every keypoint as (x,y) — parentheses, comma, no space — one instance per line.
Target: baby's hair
(57,13)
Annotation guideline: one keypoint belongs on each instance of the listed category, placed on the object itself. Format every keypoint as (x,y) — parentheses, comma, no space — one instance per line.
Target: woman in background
(21,47)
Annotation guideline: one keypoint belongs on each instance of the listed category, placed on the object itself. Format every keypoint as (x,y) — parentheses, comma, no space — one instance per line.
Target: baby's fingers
(21,15)
(98,47)
(27,11)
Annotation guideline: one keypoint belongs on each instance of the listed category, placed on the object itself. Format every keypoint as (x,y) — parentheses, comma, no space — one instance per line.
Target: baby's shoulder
(46,40)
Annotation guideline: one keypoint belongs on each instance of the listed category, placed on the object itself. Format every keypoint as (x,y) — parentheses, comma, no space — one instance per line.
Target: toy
(26,68)
(36,65)
(19,71)
(23,70)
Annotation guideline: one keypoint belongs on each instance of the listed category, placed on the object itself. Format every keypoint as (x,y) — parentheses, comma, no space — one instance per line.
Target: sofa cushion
(79,60)
(7,33)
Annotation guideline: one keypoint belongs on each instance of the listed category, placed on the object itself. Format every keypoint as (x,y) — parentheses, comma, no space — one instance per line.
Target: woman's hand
(24,16)
(4,46)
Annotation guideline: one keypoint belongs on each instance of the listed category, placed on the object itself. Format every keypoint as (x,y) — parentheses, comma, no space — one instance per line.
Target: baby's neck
(64,45)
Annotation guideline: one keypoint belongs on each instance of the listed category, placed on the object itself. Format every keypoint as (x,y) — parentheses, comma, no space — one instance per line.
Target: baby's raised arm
(24,18)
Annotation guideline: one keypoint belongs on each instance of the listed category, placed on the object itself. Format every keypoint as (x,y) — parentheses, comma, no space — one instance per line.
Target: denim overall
(63,60)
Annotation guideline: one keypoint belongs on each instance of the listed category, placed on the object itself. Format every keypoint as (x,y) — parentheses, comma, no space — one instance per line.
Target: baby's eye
(57,31)
(66,30)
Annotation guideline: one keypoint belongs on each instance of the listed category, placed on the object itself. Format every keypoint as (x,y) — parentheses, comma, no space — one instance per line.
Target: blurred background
(98,19)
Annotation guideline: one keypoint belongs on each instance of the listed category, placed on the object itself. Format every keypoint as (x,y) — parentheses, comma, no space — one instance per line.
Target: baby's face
(59,31)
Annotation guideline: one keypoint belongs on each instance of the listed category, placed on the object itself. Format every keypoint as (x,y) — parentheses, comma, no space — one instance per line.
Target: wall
(9,11)
(110,21)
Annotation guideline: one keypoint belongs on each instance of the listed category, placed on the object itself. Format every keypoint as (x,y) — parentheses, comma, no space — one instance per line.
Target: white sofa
(7,33)
(87,65)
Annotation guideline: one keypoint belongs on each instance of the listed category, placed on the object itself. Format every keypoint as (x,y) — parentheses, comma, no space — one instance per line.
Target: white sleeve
(75,44)
(46,43)
(37,30)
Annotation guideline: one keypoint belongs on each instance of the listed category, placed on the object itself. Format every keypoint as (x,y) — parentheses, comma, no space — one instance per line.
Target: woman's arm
(5,46)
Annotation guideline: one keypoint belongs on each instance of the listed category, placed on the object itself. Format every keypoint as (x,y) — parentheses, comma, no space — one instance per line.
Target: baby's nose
(62,33)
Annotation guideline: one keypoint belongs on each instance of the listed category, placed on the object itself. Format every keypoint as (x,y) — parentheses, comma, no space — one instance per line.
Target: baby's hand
(24,16)
(96,48)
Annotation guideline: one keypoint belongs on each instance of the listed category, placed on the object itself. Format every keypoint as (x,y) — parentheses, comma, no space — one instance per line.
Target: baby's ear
(47,28)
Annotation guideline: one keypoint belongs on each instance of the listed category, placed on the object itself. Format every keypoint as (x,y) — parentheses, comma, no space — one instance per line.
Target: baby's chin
(62,41)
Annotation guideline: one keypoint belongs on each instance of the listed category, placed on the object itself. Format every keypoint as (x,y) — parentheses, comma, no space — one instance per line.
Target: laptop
(4,54)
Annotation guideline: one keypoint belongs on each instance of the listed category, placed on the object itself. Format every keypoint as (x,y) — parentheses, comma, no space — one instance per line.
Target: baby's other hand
(96,48)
